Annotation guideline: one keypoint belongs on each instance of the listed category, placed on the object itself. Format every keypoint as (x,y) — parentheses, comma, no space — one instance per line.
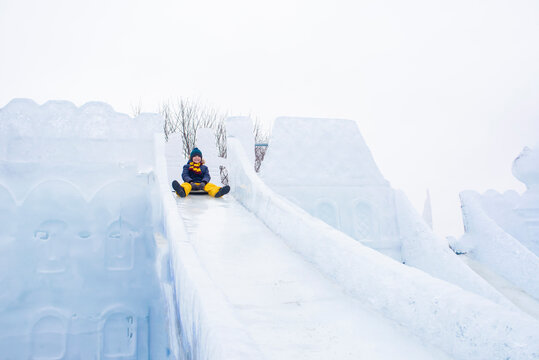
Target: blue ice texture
(80,275)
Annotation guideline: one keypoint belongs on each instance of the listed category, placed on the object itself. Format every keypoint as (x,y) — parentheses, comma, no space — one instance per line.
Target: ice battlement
(59,132)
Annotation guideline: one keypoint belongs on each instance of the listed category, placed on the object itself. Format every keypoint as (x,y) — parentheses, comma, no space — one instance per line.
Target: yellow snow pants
(210,188)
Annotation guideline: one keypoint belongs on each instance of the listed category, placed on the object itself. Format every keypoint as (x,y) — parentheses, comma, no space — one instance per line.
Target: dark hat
(196,152)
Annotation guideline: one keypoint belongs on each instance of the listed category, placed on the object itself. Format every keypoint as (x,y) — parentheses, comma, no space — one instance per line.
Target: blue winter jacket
(190,176)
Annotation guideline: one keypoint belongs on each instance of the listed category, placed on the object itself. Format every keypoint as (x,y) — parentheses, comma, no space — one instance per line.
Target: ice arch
(119,334)
(327,211)
(49,337)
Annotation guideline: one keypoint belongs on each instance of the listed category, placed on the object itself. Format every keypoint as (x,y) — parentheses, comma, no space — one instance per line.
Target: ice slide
(287,308)
(112,266)
(463,324)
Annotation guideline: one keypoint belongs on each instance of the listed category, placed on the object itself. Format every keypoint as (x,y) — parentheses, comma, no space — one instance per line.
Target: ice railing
(463,324)
(80,275)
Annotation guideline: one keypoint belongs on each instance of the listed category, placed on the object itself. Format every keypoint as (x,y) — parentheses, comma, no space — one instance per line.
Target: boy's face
(196,159)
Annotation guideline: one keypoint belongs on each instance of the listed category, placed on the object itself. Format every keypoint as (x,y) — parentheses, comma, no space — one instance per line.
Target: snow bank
(485,242)
(207,327)
(79,266)
(463,324)
(325,167)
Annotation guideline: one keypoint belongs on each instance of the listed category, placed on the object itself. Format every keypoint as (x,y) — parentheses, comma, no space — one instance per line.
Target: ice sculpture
(325,167)
(526,169)
(502,230)
(517,215)
(78,260)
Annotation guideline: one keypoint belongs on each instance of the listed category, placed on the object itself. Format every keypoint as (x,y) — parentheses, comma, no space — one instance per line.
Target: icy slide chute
(465,325)
(207,329)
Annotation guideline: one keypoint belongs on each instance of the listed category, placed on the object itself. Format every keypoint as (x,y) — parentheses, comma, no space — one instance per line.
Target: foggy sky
(445,92)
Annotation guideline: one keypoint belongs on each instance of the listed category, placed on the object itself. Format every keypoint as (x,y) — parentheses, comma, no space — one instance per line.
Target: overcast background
(446,93)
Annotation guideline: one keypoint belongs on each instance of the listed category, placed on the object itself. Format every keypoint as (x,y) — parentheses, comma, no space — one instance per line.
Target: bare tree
(186,117)
(261,135)
(136,109)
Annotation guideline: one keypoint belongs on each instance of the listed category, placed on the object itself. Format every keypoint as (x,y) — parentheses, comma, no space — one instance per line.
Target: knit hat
(196,152)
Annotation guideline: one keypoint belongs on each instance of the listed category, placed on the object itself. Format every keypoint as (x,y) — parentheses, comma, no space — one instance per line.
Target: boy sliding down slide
(197,177)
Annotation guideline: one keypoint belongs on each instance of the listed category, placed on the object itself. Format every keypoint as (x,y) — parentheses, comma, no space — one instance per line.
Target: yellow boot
(182,190)
(216,191)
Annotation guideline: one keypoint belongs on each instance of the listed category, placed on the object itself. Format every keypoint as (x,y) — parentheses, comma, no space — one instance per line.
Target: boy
(197,177)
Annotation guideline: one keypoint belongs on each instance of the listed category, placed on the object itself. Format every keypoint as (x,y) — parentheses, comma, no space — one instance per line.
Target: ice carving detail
(119,335)
(49,338)
(120,246)
(52,246)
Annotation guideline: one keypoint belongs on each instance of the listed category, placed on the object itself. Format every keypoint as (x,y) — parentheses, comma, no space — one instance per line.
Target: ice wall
(463,324)
(79,271)
(325,167)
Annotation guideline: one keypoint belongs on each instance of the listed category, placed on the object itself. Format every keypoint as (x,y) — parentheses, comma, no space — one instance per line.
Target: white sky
(446,92)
